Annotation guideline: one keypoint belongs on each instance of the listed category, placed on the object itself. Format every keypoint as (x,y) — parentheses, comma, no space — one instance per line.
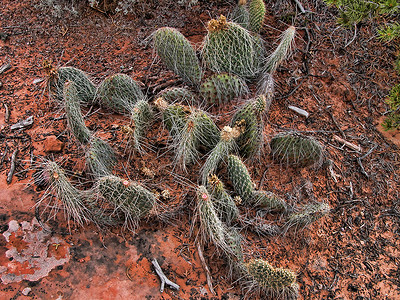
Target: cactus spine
(228,47)
(240,178)
(223,88)
(177,53)
(295,149)
(251,140)
(119,92)
(58,77)
(256,15)
(74,115)
(224,205)
(274,282)
(127,197)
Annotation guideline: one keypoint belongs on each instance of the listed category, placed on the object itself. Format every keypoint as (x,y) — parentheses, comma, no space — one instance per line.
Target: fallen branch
(5,67)
(22,124)
(7,113)
(205,267)
(300,111)
(348,144)
(163,278)
(4,156)
(12,167)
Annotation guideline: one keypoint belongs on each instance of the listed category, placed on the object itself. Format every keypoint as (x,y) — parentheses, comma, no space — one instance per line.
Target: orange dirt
(350,254)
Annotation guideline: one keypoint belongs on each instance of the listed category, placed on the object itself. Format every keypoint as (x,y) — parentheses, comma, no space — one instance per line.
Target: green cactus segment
(100,157)
(119,92)
(199,131)
(225,146)
(72,199)
(234,241)
(308,214)
(269,200)
(85,88)
(256,15)
(74,115)
(230,48)
(130,198)
(296,150)
(251,140)
(241,15)
(268,277)
(223,88)
(177,95)
(141,116)
(211,227)
(282,51)
(224,205)
(240,178)
(178,54)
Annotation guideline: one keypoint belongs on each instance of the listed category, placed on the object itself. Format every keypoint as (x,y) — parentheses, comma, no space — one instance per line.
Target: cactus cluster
(235,53)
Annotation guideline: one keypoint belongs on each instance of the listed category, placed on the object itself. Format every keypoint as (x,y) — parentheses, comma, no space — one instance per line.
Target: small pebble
(26,291)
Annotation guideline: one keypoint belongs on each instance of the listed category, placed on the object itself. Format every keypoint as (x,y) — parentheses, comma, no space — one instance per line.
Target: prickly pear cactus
(141,116)
(256,15)
(269,200)
(296,150)
(251,114)
(230,48)
(178,54)
(128,197)
(119,92)
(240,178)
(100,157)
(219,153)
(241,15)
(273,281)
(222,88)
(308,214)
(74,115)
(58,76)
(177,95)
(174,117)
(199,131)
(224,205)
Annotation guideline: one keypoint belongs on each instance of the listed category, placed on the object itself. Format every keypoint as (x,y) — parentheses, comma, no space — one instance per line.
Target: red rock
(52,144)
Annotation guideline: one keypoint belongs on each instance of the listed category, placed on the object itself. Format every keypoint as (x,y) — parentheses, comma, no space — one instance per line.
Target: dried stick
(348,144)
(205,267)
(163,278)
(7,113)
(5,67)
(4,156)
(12,167)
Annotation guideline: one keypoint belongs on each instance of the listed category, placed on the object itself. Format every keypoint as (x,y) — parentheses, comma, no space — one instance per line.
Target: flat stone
(52,144)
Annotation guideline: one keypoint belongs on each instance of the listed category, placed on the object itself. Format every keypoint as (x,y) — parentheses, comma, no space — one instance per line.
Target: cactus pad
(308,214)
(100,157)
(119,93)
(240,178)
(269,200)
(177,53)
(74,115)
(256,15)
(241,15)
(177,95)
(230,48)
(296,150)
(223,88)
(141,115)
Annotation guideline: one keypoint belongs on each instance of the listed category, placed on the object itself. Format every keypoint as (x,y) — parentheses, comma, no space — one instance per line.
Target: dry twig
(205,267)
(12,167)
(163,278)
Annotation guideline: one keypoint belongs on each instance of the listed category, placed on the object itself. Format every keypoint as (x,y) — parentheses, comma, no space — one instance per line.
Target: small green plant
(178,54)
(230,48)
(127,197)
(274,282)
(56,78)
(222,88)
(119,93)
(295,149)
(74,115)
